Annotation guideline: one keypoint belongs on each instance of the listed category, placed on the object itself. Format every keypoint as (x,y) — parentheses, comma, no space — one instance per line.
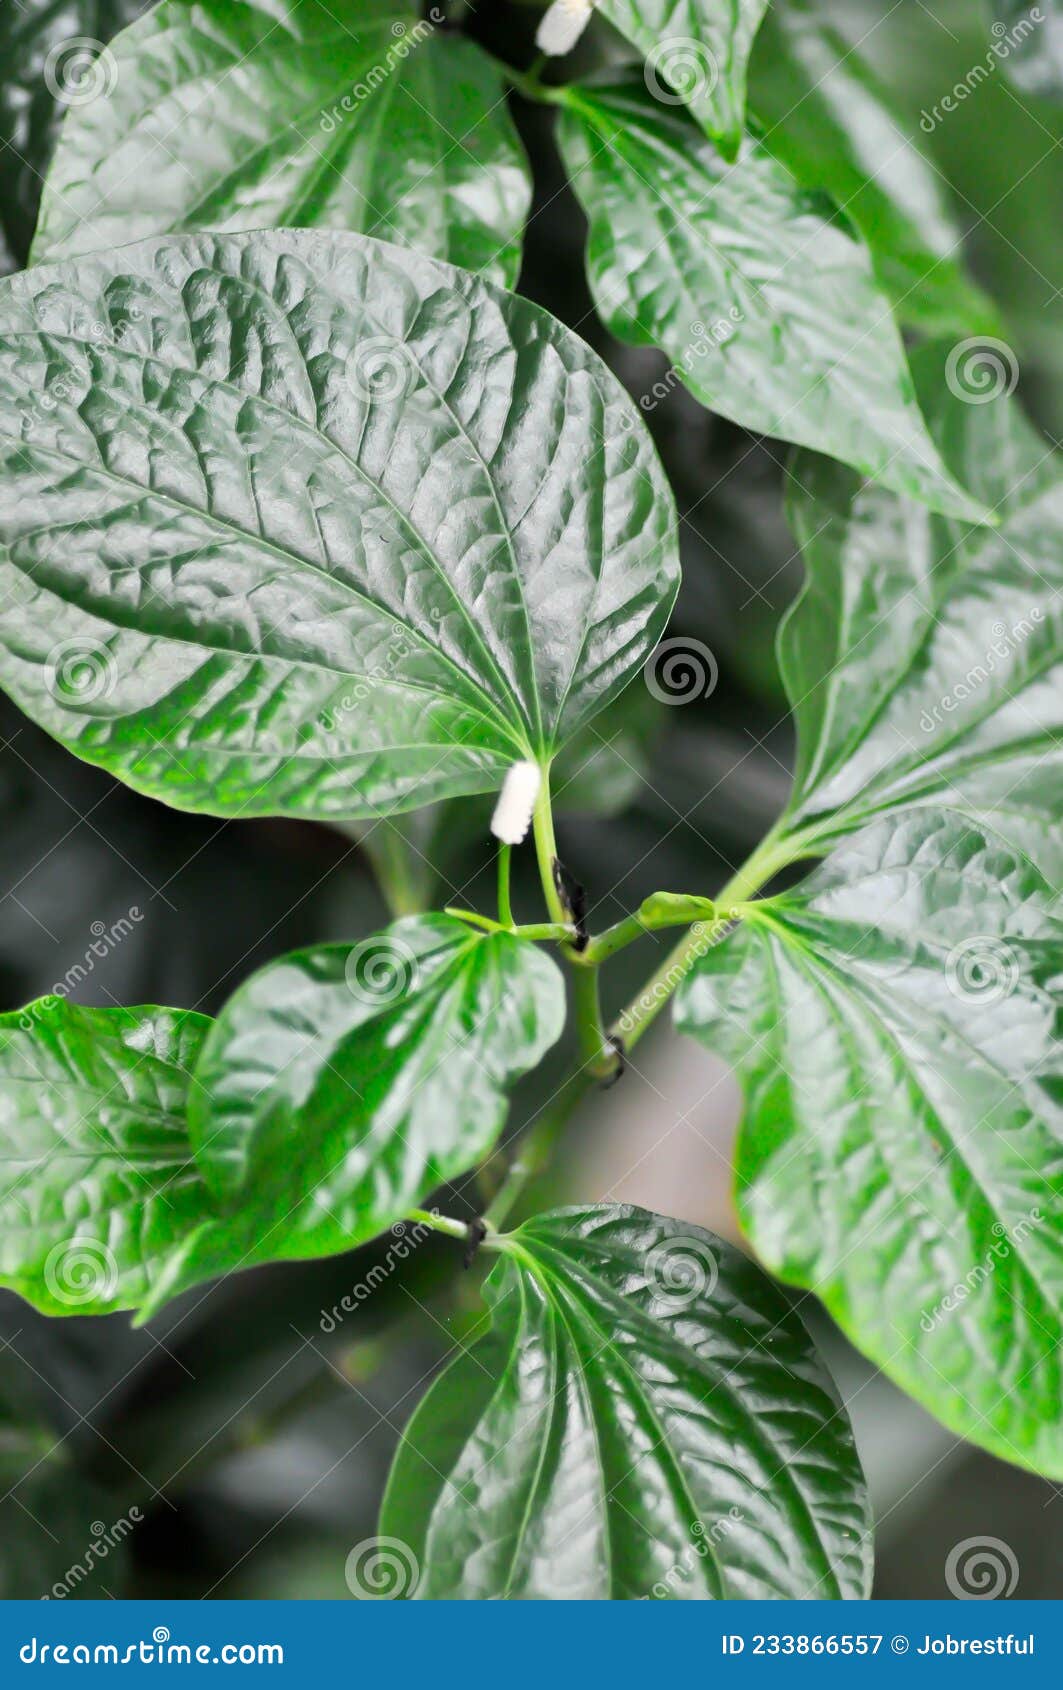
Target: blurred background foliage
(248,1431)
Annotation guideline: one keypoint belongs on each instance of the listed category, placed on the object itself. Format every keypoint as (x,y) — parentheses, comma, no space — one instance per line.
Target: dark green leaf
(828,117)
(766,305)
(50,51)
(925,659)
(99,1184)
(303,522)
(896,1025)
(257,114)
(1028,42)
(696,54)
(646,1417)
(340,1086)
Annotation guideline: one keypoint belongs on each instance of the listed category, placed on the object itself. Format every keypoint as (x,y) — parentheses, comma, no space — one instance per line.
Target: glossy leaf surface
(50,51)
(304,523)
(258,114)
(99,1183)
(925,659)
(895,1022)
(646,1417)
(697,53)
(766,305)
(340,1086)
(826,115)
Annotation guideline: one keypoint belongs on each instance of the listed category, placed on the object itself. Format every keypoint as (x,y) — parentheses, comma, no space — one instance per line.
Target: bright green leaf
(895,1022)
(766,305)
(696,54)
(99,1184)
(924,659)
(50,51)
(646,1417)
(340,1085)
(304,523)
(827,116)
(259,114)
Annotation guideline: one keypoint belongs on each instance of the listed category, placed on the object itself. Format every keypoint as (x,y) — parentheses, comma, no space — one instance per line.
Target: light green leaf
(896,1025)
(696,53)
(98,1184)
(52,62)
(827,116)
(259,114)
(646,1417)
(766,305)
(924,659)
(340,1086)
(304,523)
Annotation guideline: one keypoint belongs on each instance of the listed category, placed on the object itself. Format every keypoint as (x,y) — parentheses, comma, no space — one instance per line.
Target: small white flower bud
(562,26)
(516,801)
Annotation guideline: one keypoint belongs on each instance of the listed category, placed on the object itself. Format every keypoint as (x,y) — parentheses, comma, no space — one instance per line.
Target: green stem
(439,1223)
(598,1057)
(546,851)
(535,1148)
(505,908)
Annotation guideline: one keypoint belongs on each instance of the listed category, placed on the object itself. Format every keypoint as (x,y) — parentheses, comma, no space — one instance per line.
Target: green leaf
(646,1417)
(697,53)
(50,51)
(1033,39)
(98,1183)
(304,523)
(766,304)
(341,1085)
(259,114)
(924,659)
(896,1023)
(828,117)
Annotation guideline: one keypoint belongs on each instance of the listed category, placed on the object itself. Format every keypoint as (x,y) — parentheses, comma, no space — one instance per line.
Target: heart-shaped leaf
(54,63)
(925,660)
(340,1085)
(646,1417)
(99,1183)
(696,55)
(896,1024)
(764,301)
(824,112)
(259,114)
(296,522)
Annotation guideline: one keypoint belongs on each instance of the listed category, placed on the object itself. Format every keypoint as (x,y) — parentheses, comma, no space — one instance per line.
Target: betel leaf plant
(306,512)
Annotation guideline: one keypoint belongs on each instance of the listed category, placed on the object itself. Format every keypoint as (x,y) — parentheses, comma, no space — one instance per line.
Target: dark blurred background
(246,1434)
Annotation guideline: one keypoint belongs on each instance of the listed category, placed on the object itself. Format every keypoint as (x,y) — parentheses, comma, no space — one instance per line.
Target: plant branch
(505,907)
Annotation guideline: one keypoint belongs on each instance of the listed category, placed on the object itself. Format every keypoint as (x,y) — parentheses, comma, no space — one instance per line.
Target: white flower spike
(562,26)
(516,801)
